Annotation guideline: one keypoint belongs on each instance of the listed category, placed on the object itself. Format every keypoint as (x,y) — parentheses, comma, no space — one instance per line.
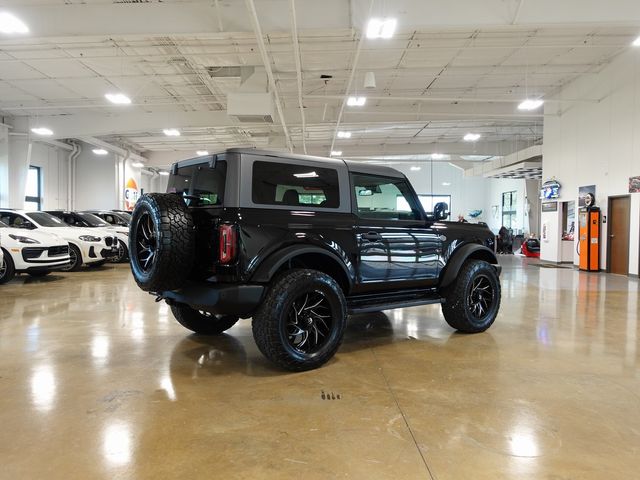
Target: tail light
(228,243)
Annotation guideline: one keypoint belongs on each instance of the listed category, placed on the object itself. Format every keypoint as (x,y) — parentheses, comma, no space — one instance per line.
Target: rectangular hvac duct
(251,107)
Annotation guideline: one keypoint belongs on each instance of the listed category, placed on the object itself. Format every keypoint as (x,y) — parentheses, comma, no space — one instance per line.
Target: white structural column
(4,165)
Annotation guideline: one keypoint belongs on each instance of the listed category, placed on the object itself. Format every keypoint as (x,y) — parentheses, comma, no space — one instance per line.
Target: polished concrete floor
(98,381)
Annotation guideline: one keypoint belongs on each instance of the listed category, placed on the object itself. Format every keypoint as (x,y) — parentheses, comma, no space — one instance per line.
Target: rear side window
(294,185)
(200,181)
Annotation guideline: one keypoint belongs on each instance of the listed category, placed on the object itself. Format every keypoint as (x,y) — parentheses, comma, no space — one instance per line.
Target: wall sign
(634,184)
(131,194)
(550,189)
(583,192)
(550,207)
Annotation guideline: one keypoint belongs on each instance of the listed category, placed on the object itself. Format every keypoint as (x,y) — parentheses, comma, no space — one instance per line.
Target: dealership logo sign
(131,194)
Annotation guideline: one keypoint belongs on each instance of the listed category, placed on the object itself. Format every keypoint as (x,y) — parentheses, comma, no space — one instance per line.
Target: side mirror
(441,211)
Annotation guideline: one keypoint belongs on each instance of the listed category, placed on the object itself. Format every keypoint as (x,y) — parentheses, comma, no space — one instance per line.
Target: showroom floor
(97,381)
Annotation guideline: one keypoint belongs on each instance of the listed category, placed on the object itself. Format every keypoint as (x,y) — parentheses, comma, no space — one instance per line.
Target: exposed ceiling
(451,68)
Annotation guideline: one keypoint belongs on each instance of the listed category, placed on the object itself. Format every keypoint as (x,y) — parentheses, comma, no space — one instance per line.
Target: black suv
(298,243)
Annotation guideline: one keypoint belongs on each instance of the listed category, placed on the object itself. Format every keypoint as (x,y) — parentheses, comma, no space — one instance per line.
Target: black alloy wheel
(75,260)
(309,322)
(146,242)
(7,269)
(481,297)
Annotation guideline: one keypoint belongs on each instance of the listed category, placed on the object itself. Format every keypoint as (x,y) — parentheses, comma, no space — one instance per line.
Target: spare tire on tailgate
(161,242)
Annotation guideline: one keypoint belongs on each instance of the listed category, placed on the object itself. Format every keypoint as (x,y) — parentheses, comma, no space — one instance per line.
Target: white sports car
(35,253)
(86,246)
(89,220)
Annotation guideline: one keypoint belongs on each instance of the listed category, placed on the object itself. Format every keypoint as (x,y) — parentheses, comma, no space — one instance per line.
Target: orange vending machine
(589,223)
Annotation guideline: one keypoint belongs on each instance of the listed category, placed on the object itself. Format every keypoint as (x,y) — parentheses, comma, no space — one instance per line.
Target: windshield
(46,220)
(3,225)
(125,217)
(92,220)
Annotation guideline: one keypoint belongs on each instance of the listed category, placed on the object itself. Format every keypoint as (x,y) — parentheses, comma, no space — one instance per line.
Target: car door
(396,243)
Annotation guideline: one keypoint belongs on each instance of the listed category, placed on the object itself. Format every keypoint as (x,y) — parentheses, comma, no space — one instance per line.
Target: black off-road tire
(172,241)
(270,321)
(75,263)
(39,273)
(7,268)
(202,323)
(458,308)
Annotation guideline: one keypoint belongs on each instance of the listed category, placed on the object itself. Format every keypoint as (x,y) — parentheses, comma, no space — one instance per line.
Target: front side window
(384,198)
(294,185)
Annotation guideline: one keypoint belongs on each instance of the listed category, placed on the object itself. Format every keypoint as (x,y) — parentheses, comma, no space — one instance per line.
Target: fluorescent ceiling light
(378,28)
(636,42)
(336,153)
(137,164)
(437,156)
(356,101)
(446,184)
(416,169)
(171,132)
(530,104)
(306,175)
(118,98)
(471,137)
(42,131)
(202,153)
(164,173)
(344,134)
(99,151)
(12,24)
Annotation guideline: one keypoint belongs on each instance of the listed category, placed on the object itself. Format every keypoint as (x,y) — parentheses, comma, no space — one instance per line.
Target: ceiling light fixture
(118,98)
(99,151)
(12,24)
(378,28)
(306,175)
(530,104)
(344,134)
(471,137)
(336,153)
(164,173)
(416,169)
(171,132)
(636,42)
(42,131)
(437,156)
(137,164)
(356,101)
(202,153)
(446,184)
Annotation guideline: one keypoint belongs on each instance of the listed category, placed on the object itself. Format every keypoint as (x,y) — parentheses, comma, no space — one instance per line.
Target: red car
(531,248)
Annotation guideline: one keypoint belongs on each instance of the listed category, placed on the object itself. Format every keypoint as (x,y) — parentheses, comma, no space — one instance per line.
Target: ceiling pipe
(296,53)
(350,82)
(96,142)
(76,149)
(257,30)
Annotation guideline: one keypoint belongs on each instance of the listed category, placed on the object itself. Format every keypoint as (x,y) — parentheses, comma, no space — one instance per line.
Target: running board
(376,303)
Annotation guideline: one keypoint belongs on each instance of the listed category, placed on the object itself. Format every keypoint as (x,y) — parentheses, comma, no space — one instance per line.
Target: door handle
(371,236)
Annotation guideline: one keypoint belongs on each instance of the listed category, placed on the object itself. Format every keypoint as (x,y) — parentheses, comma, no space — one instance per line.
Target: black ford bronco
(297,243)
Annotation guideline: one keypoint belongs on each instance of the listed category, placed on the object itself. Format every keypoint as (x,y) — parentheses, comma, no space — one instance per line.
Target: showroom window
(33,198)
(509,206)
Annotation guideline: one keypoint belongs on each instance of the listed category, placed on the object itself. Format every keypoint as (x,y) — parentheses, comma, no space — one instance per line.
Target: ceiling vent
(225,72)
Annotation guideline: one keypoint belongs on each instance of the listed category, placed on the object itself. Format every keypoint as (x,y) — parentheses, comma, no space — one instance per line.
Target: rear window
(202,184)
(294,185)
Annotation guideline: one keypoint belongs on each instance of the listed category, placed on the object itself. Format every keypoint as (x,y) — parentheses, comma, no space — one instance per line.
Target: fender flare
(461,255)
(270,265)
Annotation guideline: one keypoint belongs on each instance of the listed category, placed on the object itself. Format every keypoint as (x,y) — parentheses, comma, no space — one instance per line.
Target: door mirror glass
(441,211)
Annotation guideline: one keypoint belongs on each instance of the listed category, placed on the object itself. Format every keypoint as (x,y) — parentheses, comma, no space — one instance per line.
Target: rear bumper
(239,300)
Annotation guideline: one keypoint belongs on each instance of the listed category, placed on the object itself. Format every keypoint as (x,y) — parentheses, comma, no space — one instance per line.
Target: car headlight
(20,239)
(89,238)
(125,233)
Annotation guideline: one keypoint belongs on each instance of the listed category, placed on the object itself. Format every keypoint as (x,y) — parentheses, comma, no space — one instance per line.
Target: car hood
(45,238)
(71,233)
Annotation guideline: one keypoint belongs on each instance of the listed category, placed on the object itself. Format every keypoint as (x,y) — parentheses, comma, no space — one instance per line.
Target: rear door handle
(371,236)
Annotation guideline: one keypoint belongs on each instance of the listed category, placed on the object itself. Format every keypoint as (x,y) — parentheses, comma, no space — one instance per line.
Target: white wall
(95,184)
(597,142)
(4,165)
(53,162)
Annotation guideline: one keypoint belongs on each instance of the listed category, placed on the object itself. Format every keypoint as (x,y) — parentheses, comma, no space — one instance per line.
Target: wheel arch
(460,256)
(82,259)
(299,256)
